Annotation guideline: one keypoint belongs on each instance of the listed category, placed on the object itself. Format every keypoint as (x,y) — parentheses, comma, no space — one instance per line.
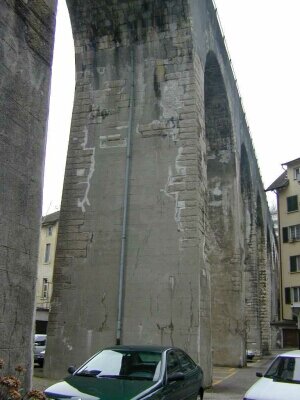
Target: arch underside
(225,255)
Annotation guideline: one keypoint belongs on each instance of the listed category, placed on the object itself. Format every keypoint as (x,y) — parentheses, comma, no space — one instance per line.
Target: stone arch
(223,247)
(220,144)
(246,191)
(273,278)
(252,332)
(263,343)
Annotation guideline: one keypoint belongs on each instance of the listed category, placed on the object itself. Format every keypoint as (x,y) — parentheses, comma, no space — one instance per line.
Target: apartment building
(47,247)
(287,189)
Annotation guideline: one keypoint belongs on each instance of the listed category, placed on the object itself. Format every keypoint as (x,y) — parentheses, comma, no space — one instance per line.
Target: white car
(280,382)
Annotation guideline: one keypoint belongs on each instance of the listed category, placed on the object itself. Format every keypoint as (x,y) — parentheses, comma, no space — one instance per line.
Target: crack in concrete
(85,200)
(103,323)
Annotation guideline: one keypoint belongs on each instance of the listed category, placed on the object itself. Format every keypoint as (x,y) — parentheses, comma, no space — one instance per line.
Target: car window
(297,370)
(285,368)
(149,357)
(40,342)
(173,364)
(124,364)
(187,364)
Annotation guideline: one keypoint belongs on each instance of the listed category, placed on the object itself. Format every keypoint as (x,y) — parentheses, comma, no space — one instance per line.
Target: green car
(133,373)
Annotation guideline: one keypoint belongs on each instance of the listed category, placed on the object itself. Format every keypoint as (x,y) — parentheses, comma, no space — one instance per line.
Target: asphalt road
(232,383)
(228,383)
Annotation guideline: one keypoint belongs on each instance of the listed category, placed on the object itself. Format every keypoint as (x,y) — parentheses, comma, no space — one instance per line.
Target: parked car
(250,355)
(39,348)
(133,373)
(281,380)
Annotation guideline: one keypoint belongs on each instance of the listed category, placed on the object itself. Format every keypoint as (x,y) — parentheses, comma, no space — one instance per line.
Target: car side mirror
(177,376)
(259,374)
(71,369)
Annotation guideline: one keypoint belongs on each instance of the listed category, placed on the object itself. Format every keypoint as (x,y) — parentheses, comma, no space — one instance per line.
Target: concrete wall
(26,43)
(154,78)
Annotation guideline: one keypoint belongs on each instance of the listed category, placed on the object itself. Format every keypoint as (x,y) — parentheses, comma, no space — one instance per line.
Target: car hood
(268,389)
(98,388)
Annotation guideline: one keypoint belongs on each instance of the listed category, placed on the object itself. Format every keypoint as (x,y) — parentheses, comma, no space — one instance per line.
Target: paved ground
(39,382)
(228,383)
(232,383)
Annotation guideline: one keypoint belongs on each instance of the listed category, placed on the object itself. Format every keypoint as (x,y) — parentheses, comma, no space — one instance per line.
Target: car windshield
(286,369)
(40,342)
(123,364)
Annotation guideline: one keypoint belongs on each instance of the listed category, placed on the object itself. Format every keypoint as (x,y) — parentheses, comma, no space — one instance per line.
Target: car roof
(154,348)
(38,336)
(292,353)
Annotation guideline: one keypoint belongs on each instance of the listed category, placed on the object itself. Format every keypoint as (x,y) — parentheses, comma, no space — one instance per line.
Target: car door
(173,390)
(192,378)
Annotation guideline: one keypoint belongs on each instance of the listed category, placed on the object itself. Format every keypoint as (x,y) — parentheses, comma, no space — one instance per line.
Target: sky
(60,111)
(262,38)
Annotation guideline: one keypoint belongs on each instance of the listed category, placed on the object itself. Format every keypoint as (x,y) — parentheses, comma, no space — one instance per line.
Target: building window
(295,294)
(292,295)
(294,232)
(297,173)
(49,231)
(292,203)
(290,233)
(45,289)
(295,263)
(47,253)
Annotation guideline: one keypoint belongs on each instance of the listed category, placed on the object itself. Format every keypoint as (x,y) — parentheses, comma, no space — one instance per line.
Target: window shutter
(287,295)
(292,203)
(293,264)
(285,235)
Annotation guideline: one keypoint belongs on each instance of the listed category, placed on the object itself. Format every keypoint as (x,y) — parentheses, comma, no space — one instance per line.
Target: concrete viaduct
(165,234)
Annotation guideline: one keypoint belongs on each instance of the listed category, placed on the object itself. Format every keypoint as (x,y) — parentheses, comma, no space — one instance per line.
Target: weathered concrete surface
(26,44)
(198,221)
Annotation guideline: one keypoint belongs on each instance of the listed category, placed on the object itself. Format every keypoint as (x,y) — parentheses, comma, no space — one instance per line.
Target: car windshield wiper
(132,378)
(92,373)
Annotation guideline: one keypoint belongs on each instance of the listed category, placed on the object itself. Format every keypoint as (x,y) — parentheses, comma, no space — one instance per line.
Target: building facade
(47,247)
(287,188)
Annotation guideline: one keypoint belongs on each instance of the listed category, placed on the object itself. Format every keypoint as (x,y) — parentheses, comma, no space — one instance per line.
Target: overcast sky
(263,41)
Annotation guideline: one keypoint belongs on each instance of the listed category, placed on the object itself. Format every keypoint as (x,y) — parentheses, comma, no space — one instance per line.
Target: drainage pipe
(125,204)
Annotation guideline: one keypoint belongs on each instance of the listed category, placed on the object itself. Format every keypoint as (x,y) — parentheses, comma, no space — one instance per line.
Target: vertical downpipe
(125,204)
